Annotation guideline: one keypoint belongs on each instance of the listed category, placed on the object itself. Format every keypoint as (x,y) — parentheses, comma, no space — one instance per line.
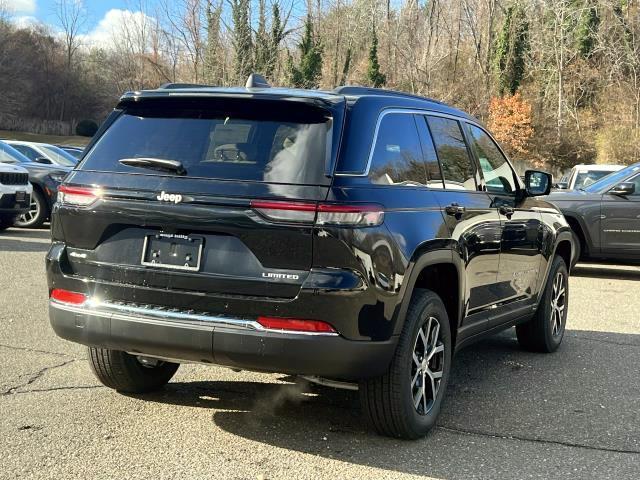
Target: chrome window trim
(158,316)
(405,111)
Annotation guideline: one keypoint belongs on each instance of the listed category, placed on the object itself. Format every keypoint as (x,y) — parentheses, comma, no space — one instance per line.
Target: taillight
(285,211)
(295,325)
(77,196)
(66,296)
(321,213)
(356,215)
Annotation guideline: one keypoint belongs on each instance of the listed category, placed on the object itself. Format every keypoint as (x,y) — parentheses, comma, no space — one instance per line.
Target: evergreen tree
(277,36)
(345,69)
(262,45)
(374,75)
(213,51)
(242,41)
(587,30)
(307,73)
(511,48)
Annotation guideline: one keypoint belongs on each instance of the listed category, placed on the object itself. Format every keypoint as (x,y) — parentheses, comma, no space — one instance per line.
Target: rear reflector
(322,213)
(77,196)
(295,325)
(65,296)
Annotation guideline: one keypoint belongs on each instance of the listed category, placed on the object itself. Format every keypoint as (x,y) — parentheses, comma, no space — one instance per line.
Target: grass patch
(53,139)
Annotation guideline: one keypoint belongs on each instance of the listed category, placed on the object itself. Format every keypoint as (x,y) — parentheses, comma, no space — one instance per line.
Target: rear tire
(544,332)
(402,403)
(126,373)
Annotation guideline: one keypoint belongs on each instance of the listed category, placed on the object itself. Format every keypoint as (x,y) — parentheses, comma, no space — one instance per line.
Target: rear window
(266,143)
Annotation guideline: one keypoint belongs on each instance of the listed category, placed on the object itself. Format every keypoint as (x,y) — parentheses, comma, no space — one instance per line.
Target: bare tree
(72,18)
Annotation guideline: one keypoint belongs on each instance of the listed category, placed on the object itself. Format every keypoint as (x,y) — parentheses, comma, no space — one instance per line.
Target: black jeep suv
(356,237)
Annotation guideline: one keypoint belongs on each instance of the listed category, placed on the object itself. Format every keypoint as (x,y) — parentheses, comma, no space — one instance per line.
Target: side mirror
(44,160)
(623,189)
(537,183)
(561,185)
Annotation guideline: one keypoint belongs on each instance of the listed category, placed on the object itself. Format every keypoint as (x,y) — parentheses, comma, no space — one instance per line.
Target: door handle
(506,211)
(454,209)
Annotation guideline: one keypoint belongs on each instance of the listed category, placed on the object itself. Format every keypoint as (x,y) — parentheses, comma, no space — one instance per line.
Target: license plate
(176,252)
(21,197)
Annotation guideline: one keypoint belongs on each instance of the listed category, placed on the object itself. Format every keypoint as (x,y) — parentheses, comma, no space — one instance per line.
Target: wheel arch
(563,247)
(577,226)
(436,271)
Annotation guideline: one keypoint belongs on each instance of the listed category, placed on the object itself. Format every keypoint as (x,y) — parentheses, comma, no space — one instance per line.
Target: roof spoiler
(257,81)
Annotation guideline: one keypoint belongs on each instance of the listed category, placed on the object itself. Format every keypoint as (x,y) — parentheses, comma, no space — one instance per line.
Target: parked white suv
(15,193)
(584,175)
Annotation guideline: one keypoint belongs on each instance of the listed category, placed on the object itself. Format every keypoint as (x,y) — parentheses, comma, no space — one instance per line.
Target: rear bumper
(232,342)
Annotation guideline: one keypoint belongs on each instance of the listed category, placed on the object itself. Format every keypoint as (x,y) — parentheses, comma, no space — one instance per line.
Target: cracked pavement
(508,413)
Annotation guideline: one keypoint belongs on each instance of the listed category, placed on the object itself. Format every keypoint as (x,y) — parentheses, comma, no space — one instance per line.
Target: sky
(102,15)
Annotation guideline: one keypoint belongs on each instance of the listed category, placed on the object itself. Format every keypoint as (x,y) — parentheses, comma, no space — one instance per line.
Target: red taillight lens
(322,214)
(77,196)
(295,325)
(65,296)
(285,211)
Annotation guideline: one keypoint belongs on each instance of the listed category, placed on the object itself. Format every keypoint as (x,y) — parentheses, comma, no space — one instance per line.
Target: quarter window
(457,167)
(397,156)
(497,172)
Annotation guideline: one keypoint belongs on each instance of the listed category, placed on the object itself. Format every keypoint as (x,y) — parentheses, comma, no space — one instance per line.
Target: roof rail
(356,91)
(176,86)
(257,81)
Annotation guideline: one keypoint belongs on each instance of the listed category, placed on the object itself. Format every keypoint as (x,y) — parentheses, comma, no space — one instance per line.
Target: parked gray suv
(605,216)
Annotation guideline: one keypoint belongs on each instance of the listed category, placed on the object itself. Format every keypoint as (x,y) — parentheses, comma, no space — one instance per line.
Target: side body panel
(621,224)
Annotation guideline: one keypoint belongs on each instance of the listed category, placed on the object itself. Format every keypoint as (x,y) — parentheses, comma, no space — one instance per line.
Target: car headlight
(57,177)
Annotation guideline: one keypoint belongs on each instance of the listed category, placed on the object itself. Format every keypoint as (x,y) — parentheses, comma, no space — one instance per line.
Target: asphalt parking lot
(508,414)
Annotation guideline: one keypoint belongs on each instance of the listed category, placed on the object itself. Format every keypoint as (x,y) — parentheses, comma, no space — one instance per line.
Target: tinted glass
(59,156)
(221,146)
(9,154)
(431,164)
(397,156)
(613,179)
(457,167)
(497,172)
(636,182)
(28,152)
(584,179)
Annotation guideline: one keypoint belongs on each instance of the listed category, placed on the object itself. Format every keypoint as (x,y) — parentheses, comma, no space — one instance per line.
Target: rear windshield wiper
(155,164)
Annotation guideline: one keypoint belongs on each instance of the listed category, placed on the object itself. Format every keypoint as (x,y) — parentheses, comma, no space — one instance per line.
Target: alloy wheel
(558,303)
(34,210)
(427,366)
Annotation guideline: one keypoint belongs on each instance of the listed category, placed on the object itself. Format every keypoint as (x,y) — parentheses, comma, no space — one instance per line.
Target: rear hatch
(177,193)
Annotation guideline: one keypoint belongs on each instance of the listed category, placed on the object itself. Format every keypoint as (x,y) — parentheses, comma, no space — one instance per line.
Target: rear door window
(457,167)
(397,155)
(270,145)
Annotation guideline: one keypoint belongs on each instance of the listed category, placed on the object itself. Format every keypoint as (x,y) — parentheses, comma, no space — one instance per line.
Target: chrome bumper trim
(150,314)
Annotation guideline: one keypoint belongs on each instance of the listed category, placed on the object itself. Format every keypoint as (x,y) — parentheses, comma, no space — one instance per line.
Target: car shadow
(25,240)
(628,272)
(497,393)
